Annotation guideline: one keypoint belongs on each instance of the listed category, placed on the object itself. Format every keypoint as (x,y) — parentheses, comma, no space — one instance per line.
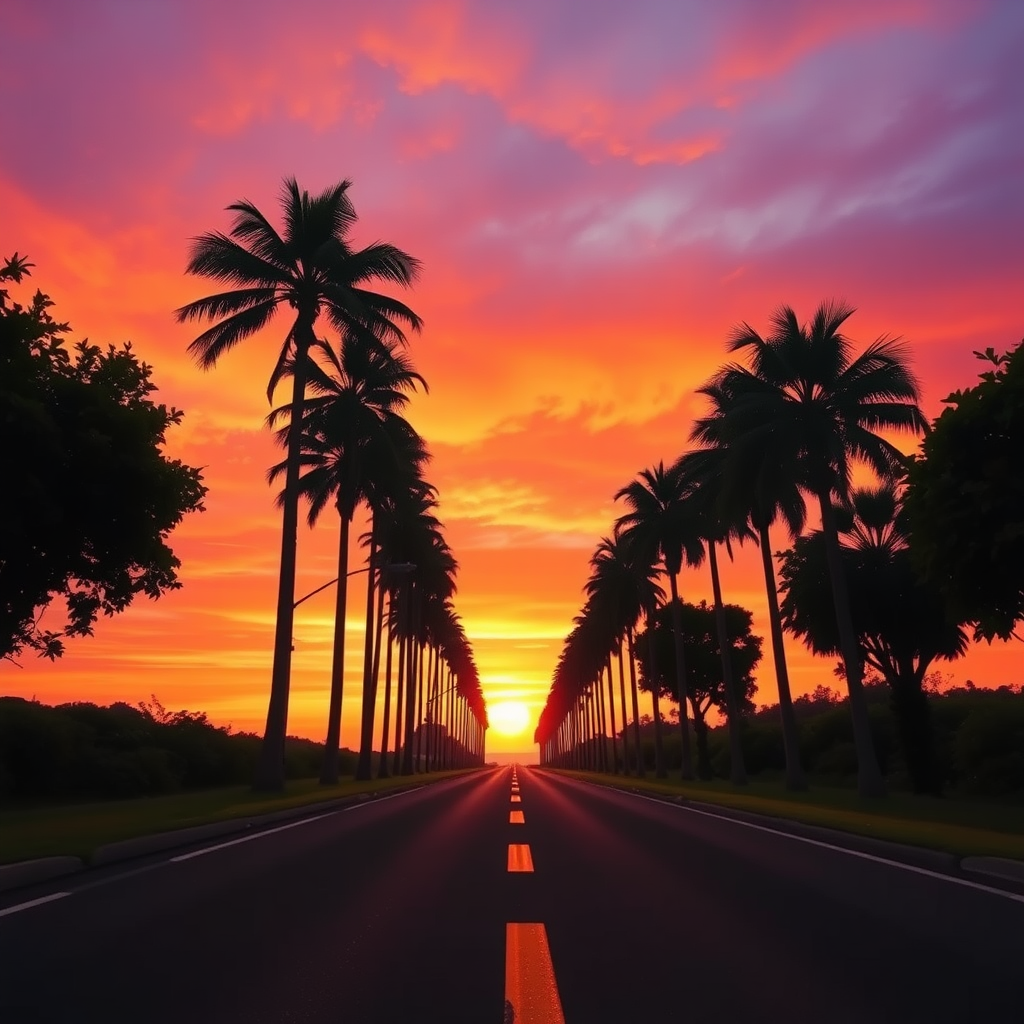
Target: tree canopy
(81,444)
(966,499)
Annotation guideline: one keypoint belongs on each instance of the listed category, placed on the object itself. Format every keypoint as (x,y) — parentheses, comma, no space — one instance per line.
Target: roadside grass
(957,826)
(48,830)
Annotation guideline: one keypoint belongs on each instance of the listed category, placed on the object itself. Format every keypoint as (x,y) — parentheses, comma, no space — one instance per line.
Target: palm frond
(224,335)
(215,255)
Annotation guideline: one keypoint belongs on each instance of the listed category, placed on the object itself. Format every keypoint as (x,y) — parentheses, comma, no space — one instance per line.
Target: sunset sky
(598,191)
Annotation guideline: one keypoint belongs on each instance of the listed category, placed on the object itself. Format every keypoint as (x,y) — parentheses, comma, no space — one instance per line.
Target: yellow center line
(519,857)
(516,818)
(531,992)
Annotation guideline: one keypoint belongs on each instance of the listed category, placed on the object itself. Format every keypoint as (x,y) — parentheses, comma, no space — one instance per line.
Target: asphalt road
(406,910)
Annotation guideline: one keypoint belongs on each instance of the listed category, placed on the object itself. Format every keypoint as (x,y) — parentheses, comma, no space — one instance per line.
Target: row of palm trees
(781,430)
(348,445)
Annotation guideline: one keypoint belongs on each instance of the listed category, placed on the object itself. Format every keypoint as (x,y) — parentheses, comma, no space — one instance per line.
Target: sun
(508,717)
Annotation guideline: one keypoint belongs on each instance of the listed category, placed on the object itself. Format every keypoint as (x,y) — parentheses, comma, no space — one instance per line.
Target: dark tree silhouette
(92,497)
(661,523)
(821,407)
(705,685)
(350,432)
(901,625)
(310,268)
(966,500)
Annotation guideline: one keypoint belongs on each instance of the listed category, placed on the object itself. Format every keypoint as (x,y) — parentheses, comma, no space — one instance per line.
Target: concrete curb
(934,860)
(995,867)
(13,876)
(27,872)
(140,846)
(919,856)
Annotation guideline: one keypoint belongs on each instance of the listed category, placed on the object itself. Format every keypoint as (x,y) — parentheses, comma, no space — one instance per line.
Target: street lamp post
(398,568)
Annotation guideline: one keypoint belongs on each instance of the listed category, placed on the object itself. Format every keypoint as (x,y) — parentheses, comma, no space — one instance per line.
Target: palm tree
(350,426)
(821,406)
(631,584)
(661,524)
(758,484)
(311,267)
(401,509)
(902,624)
(703,470)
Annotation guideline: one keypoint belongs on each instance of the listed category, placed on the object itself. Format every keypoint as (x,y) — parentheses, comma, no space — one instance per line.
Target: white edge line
(33,903)
(291,824)
(827,846)
(248,839)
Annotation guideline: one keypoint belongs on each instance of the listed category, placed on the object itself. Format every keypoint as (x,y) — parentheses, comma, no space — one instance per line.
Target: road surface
(437,906)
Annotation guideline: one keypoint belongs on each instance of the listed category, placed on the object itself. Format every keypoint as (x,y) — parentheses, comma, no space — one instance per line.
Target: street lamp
(396,568)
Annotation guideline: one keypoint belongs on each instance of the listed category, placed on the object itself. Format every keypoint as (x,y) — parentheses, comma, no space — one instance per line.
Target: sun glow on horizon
(508,717)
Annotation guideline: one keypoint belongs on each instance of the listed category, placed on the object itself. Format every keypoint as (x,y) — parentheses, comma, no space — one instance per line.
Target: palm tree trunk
(869,776)
(382,766)
(640,772)
(421,758)
(412,618)
(686,770)
(700,729)
(371,655)
(602,725)
(270,768)
(399,695)
(329,770)
(795,778)
(622,706)
(737,766)
(611,715)
(660,770)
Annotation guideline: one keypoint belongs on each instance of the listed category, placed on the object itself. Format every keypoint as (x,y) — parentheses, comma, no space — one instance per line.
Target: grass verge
(79,829)
(961,827)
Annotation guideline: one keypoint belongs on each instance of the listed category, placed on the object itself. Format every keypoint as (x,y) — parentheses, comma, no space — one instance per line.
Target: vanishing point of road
(512,896)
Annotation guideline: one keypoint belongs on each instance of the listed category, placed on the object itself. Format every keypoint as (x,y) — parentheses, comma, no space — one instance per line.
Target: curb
(919,856)
(995,867)
(140,846)
(27,872)
(934,860)
(13,876)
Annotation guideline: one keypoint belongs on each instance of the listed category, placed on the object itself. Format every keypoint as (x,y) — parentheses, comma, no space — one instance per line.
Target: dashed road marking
(531,992)
(519,857)
(516,798)
(516,818)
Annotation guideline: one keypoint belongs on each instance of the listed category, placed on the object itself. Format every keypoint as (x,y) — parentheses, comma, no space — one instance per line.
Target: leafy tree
(901,625)
(93,499)
(311,268)
(966,500)
(705,688)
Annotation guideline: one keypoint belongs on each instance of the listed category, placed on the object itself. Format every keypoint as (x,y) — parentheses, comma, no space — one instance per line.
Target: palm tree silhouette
(351,430)
(703,471)
(625,587)
(661,524)
(902,625)
(757,483)
(812,407)
(313,268)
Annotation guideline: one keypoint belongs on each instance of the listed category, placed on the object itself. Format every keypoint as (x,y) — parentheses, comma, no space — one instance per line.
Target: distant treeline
(978,740)
(81,750)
